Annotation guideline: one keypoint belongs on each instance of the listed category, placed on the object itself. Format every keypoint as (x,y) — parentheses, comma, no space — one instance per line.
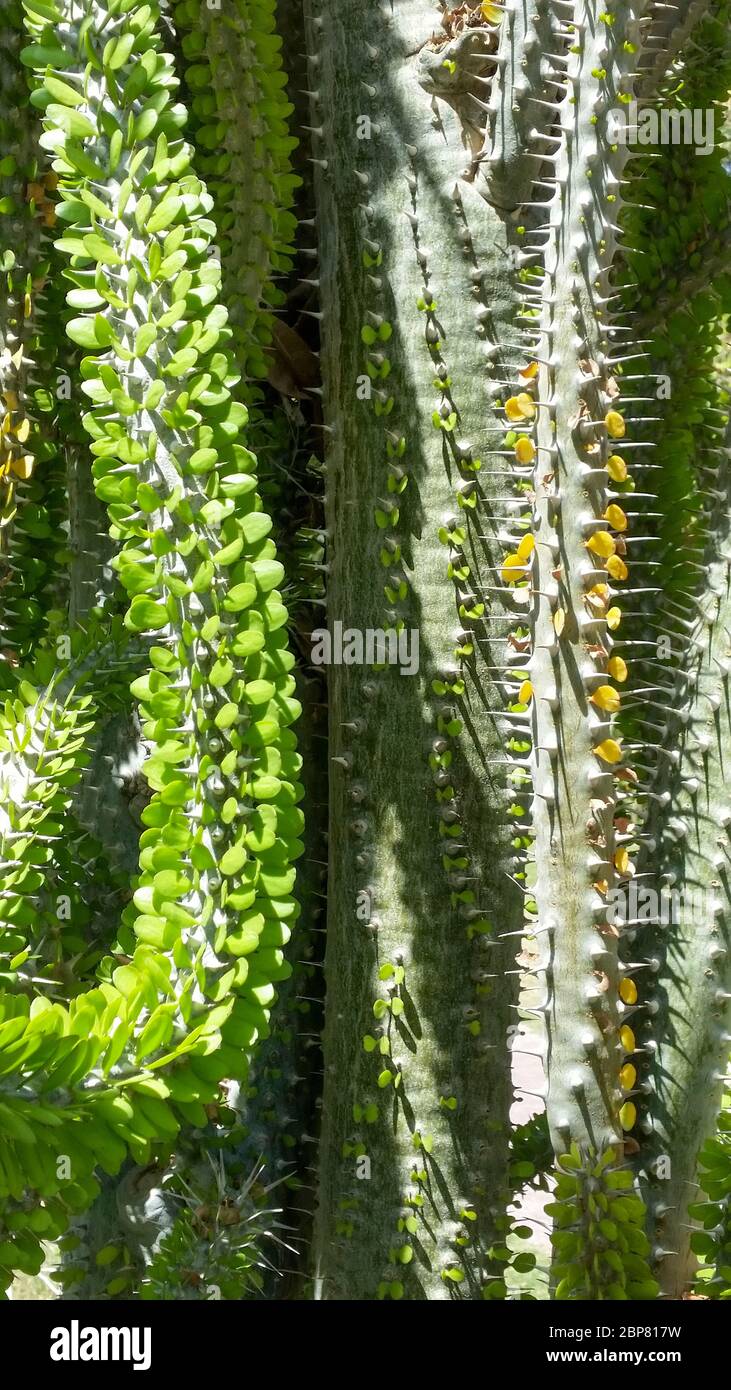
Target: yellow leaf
(525,449)
(525,693)
(490,12)
(609,750)
(614,618)
(628,990)
(520,407)
(559,621)
(627,1076)
(22,430)
(10,399)
(512,570)
(621,860)
(526,548)
(617,468)
(616,517)
(22,466)
(615,424)
(617,567)
(628,1115)
(602,544)
(607,698)
(627,1038)
(617,668)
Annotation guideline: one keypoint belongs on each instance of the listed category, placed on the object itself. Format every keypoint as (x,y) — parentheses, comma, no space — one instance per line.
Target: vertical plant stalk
(239,110)
(413,1169)
(570,406)
(574,785)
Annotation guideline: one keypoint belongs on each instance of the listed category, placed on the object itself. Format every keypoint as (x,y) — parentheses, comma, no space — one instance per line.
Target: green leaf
(13,1124)
(144,338)
(226,716)
(154,395)
(221,672)
(103,331)
(202,461)
(73,122)
(90,200)
(268,574)
(117,51)
(158,1030)
(107,1255)
(116,146)
(168,883)
(61,91)
(44,11)
(240,596)
(164,214)
(145,123)
(118,1284)
(255,526)
(42,55)
(233,860)
(163,660)
(97,247)
(146,616)
(81,331)
(181,362)
(237,484)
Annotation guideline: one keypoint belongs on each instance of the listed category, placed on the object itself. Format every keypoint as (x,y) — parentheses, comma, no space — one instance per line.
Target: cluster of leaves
(152,1026)
(712,1241)
(601,1247)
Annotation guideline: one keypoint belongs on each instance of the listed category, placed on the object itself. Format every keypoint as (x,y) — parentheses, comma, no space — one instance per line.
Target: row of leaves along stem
(240,116)
(233,83)
(571,415)
(66,940)
(204,934)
